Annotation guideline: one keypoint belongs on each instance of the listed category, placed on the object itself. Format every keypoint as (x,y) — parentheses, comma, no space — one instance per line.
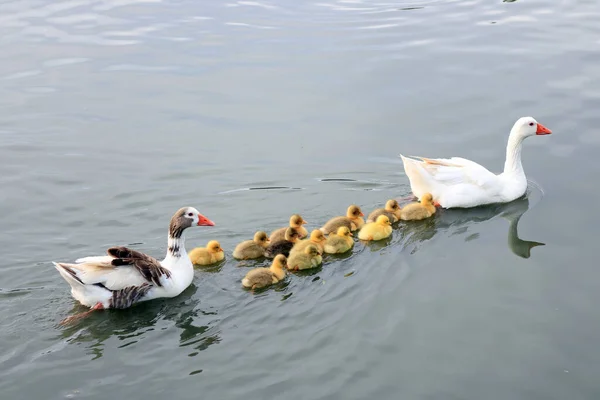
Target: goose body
(125,276)
(458,182)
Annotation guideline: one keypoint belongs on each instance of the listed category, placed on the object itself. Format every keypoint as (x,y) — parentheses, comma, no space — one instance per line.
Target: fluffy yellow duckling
(309,258)
(296,222)
(283,246)
(210,254)
(353,220)
(250,249)
(418,211)
(316,237)
(258,278)
(339,242)
(380,229)
(391,210)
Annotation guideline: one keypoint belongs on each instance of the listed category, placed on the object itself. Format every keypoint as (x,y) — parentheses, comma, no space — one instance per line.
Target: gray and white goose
(126,276)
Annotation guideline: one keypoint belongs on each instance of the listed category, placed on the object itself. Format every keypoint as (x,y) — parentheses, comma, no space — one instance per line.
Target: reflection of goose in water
(131,325)
(457,221)
(513,213)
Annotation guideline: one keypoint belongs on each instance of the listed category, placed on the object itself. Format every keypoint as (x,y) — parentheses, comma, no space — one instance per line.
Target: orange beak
(362,214)
(203,221)
(303,222)
(351,234)
(542,130)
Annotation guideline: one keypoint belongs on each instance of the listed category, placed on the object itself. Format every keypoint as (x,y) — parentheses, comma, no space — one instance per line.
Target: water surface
(113,114)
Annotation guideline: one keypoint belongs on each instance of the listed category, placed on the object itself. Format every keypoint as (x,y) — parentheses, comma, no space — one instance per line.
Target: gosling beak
(303,222)
(362,214)
(350,234)
(203,221)
(542,130)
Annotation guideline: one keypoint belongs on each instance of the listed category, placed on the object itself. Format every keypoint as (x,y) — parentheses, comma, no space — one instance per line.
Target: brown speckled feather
(147,266)
(128,296)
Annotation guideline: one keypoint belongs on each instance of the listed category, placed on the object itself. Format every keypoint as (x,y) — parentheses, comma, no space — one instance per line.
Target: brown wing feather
(148,267)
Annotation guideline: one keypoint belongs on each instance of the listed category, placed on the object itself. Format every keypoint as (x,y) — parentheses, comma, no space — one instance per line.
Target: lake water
(115,113)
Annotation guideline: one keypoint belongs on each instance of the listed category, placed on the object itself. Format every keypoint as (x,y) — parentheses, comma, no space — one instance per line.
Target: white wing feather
(456,171)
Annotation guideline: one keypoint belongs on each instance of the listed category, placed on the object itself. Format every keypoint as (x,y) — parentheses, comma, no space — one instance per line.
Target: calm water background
(115,113)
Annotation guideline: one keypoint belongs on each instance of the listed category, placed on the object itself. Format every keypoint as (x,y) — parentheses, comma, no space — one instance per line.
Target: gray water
(115,113)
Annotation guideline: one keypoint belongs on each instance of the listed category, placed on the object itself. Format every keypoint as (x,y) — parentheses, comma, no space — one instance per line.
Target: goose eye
(531,124)
(190,215)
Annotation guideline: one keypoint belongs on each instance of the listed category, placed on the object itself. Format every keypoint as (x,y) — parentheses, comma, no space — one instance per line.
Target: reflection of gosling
(283,246)
(353,220)
(309,258)
(380,229)
(339,242)
(262,277)
(210,254)
(418,211)
(391,210)
(250,249)
(296,222)
(316,237)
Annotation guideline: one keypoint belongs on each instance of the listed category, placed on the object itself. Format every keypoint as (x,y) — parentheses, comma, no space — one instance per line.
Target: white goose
(458,182)
(125,276)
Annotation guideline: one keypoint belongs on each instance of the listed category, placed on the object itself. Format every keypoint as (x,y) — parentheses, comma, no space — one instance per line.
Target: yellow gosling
(418,211)
(380,229)
(391,210)
(309,258)
(316,237)
(259,278)
(353,220)
(251,249)
(210,254)
(296,222)
(339,242)
(283,246)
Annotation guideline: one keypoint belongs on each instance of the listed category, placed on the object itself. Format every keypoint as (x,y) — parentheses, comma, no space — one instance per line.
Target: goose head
(528,126)
(187,217)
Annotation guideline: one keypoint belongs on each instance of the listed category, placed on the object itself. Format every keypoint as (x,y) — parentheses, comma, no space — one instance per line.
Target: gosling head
(214,247)
(291,235)
(312,250)
(427,198)
(261,238)
(383,220)
(354,211)
(280,261)
(317,236)
(296,221)
(391,205)
(344,231)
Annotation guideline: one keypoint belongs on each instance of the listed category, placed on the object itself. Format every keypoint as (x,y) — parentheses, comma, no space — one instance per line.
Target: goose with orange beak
(125,276)
(460,183)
